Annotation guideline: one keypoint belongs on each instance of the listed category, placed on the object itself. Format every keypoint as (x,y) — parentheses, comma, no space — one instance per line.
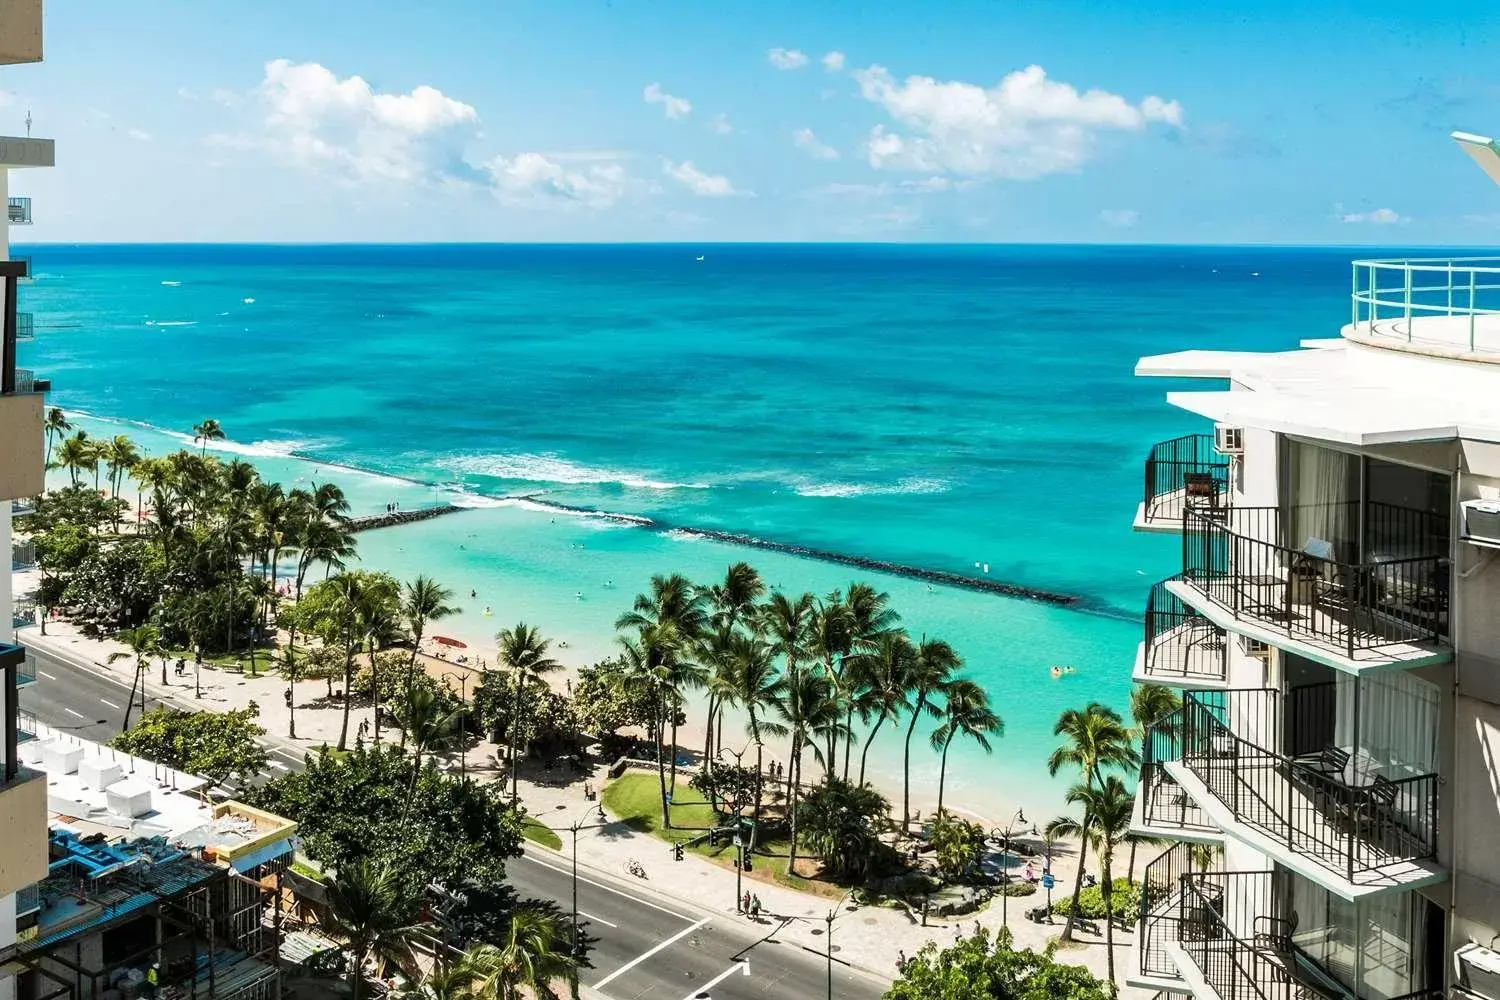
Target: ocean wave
(171,322)
(171,284)
(254,449)
(554,469)
(909,485)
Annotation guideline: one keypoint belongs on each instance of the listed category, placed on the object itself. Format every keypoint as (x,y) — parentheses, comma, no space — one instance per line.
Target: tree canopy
(985,967)
(216,745)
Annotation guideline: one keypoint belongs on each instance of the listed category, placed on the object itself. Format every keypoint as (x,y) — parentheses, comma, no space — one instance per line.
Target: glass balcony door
(1376,949)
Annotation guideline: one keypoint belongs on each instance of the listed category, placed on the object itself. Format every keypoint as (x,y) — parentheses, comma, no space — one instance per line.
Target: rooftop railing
(1351,817)
(1395,592)
(1181,644)
(1185,470)
(1448,304)
(19,211)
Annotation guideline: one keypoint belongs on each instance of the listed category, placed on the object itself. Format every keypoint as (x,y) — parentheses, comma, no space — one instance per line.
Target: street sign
(1048,881)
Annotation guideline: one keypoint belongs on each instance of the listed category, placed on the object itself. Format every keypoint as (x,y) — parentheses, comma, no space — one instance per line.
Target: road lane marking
(278,765)
(110,703)
(598,920)
(71,712)
(600,885)
(44,673)
(739,966)
(641,958)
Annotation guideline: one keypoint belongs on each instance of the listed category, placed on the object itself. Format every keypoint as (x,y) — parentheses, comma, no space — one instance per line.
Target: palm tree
(1106,811)
(1150,705)
(868,618)
(349,589)
(809,710)
(1094,738)
(966,712)
(120,455)
(757,688)
(205,432)
(788,627)
(732,605)
(143,642)
(523,650)
(423,600)
(931,668)
(533,955)
(675,613)
(56,425)
(882,674)
(75,454)
(429,721)
(374,916)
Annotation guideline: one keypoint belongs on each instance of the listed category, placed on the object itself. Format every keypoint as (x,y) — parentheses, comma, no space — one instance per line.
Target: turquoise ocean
(957,408)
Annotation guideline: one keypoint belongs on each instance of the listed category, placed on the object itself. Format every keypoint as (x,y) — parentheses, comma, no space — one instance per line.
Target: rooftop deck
(1444,307)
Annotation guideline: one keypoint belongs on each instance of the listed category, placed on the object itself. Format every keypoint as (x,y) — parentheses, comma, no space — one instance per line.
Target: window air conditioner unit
(1481,521)
(1478,971)
(1229,440)
(1256,648)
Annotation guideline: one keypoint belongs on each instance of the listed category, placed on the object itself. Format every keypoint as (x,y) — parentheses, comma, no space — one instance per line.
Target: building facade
(23,790)
(1330,786)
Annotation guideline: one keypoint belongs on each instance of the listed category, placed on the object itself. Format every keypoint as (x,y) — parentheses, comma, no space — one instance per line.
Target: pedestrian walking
(745,903)
(755,907)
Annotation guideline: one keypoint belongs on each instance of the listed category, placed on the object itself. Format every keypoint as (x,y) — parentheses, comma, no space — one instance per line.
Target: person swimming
(1056,672)
(486,610)
(578,595)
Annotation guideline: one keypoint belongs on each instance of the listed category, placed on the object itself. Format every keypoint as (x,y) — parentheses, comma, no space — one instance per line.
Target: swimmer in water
(486,609)
(579,595)
(472,594)
(1056,672)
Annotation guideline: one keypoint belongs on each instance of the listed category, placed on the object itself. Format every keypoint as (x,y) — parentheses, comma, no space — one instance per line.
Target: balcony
(1364,821)
(24,259)
(1153,966)
(1387,606)
(22,555)
(1444,307)
(1182,648)
(25,326)
(1179,473)
(1240,937)
(18,211)
(1163,808)
(27,382)
(29,900)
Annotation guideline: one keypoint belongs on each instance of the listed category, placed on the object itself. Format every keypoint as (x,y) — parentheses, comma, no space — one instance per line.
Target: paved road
(647,947)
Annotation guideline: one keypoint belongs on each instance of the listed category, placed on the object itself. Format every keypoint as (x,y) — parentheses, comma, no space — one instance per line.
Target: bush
(1127,901)
(1021,889)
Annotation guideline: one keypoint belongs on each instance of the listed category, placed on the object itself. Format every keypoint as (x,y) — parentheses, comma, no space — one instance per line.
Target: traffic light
(747,863)
(677,851)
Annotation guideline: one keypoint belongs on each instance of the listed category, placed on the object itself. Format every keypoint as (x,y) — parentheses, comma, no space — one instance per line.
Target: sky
(1315,121)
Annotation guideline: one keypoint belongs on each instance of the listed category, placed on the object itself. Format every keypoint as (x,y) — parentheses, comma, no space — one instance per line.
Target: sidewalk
(870,938)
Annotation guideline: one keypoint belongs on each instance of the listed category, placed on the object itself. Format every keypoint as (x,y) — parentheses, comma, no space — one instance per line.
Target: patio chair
(1274,934)
(1330,762)
(1200,491)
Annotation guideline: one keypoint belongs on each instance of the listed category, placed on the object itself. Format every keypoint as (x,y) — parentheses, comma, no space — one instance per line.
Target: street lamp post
(1016,824)
(829,943)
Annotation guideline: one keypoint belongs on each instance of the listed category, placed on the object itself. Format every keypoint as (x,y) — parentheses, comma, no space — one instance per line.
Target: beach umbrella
(443,640)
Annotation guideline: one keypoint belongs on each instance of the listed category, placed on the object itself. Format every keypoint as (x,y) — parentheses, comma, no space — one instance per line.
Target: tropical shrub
(1126,904)
(216,745)
(985,967)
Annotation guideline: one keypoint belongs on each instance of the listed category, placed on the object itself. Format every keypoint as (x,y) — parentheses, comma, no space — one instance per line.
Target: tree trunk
(1109,921)
(943,771)
(865,752)
(411,669)
(796,772)
(661,772)
(674,751)
(848,739)
(916,716)
(348,683)
(759,769)
(1083,853)
(515,739)
(708,756)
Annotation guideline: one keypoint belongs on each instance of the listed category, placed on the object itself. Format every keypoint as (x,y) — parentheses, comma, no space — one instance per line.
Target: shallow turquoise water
(932,406)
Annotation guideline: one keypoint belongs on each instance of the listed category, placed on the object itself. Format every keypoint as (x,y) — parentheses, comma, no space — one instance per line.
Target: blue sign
(1048,881)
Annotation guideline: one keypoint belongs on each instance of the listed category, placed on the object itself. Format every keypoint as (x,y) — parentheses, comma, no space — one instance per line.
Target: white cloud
(1024,127)
(719,125)
(1120,218)
(672,107)
(531,178)
(139,135)
(805,140)
(787,58)
(1374,217)
(319,121)
(699,183)
(833,61)
(927,185)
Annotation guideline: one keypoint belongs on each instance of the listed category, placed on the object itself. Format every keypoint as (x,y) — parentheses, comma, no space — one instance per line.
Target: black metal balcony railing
(28,899)
(18,211)
(26,729)
(24,258)
(1399,594)
(25,327)
(1181,644)
(26,381)
(1182,472)
(22,555)
(1247,957)
(1163,802)
(1357,818)
(1161,908)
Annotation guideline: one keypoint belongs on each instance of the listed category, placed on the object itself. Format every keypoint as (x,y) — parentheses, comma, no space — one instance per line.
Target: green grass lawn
(635,798)
(533,830)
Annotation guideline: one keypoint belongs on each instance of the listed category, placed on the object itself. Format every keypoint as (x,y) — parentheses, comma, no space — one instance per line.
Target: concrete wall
(22,446)
(1475,819)
(20,31)
(23,831)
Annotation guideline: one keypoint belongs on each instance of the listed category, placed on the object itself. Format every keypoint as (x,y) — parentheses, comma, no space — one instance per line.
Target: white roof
(1483,151)
(1345,393)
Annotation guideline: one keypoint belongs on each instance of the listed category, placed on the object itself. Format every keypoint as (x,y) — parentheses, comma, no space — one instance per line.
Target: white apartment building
(23,791)
(1331,785)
